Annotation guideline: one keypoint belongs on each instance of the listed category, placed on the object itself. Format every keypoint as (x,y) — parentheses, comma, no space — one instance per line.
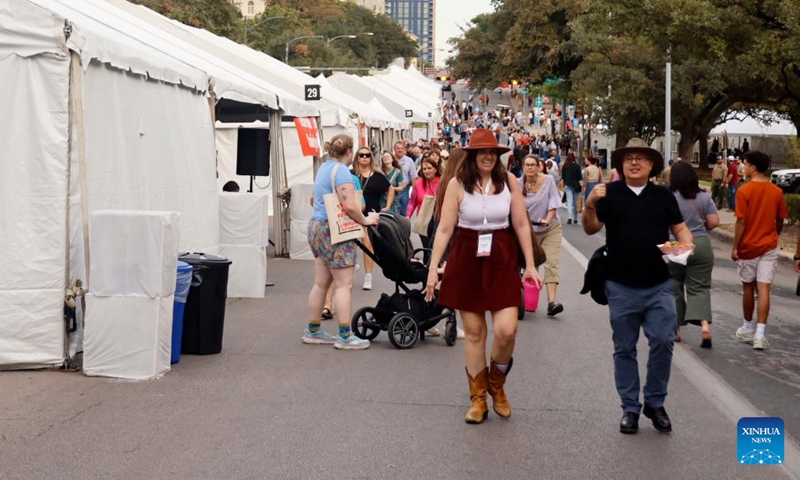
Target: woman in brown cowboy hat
(482,273)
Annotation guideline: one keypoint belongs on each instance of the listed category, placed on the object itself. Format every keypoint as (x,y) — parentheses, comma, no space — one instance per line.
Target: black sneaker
(554,309)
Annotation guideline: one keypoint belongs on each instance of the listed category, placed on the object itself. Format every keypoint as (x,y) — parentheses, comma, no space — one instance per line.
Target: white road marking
(716,390)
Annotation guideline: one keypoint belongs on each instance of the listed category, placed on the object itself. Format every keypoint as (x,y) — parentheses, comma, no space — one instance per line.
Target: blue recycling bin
(183,283)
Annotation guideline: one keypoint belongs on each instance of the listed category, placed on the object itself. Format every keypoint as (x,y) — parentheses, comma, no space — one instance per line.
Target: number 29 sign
(312,92)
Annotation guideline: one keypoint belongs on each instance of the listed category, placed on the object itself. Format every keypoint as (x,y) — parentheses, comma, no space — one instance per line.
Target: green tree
(326,18)
(330,19)
(477,54)
(217,16)
(726,55)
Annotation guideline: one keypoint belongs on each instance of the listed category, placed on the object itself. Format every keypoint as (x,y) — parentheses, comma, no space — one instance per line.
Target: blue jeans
(588,189)
(653,310)
(402,202)
(732,196)
(572,204)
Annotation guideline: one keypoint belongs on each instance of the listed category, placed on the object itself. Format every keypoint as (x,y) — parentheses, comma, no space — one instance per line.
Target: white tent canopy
(365,90)
(752,127)
(229,81)
(336,106)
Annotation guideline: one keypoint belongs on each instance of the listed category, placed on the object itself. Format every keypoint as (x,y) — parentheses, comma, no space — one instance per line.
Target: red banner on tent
(309,136)
(364,135)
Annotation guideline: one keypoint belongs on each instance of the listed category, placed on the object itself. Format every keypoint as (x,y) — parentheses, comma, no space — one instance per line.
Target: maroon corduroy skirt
(480,284)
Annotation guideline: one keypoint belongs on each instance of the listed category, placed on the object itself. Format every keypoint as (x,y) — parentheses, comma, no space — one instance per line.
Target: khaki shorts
(760,269)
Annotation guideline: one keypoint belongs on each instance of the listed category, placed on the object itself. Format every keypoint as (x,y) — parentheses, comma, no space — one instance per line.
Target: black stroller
(405,314)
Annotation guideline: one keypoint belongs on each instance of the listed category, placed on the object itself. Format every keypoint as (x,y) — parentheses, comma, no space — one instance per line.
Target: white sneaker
(350,343)
(367,282)
(745,336)
(434,332)
(460,333)
(760,343)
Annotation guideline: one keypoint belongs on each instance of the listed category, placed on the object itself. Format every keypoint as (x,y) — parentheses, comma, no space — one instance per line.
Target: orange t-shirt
(760,204)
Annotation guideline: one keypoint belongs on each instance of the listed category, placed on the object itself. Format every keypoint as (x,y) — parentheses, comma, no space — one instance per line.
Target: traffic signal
(444,78)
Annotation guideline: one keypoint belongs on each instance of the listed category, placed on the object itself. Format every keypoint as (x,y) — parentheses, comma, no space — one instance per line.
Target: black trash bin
(205,307)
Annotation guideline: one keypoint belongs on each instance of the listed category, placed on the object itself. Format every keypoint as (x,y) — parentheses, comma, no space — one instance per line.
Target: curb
(727,237)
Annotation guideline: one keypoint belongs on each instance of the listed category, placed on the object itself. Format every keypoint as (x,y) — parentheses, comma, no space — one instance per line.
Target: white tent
(749,126)
(134,108)
(336,107)
(365,90)
(105,114)
(409,95)
(206,52)
(338,116)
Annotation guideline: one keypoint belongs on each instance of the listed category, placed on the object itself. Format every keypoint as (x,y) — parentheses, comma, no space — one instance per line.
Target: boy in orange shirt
(760,212)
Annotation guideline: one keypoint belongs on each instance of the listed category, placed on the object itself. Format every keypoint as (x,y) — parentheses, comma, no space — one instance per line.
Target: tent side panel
(149,146)
(34,96)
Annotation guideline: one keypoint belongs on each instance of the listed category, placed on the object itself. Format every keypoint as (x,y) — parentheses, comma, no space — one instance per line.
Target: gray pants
(653,311)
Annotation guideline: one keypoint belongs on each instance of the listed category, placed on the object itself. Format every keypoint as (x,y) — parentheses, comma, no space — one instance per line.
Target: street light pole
(340,36)
(668,111)
(286,55)
(368,34)
(259,23)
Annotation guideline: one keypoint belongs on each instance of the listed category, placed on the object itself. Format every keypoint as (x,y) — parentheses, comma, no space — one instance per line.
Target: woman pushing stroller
(482,273)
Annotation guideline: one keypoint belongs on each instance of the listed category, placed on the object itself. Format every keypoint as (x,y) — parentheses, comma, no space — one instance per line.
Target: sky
(450,14)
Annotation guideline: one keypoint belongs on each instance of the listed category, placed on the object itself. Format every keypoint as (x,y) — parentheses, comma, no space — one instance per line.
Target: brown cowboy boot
(496,381)
(478,410)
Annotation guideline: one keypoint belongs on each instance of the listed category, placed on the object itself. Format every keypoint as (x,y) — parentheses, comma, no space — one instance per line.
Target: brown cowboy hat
(483,139)
(637,145)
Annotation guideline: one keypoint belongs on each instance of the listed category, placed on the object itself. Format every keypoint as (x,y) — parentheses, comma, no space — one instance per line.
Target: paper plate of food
(675,248)
(677,252)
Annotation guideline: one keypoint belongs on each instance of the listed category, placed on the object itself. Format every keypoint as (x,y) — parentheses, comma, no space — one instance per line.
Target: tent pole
(77,78)
(278,182)
(318,159)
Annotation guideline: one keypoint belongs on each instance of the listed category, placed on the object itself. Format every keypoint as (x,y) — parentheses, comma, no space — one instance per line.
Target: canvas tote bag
(420,225)
(343,228)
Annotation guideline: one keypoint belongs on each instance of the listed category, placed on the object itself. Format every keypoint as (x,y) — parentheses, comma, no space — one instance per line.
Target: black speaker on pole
(252,154)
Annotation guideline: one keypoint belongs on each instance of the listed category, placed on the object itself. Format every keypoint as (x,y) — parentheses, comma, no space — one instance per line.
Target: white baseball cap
(730,157)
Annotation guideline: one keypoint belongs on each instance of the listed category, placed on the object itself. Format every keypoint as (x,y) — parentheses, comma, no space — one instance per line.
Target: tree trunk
(623,135)
(686,144)
(703,163)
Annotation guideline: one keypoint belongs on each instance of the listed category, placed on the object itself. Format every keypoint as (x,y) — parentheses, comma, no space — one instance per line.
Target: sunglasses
(364,155)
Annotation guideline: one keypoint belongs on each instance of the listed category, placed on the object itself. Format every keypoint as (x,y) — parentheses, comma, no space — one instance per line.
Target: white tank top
(479,211)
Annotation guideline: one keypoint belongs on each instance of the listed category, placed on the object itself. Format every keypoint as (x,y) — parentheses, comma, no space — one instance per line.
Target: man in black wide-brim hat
(638,215)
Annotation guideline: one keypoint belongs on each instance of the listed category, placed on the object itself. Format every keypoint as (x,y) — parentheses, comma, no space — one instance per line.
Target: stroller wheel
(403,331)
(364,324)
(450,331)
(521,310)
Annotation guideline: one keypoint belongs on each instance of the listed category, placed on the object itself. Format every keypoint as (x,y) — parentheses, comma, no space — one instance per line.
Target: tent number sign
(409,113)
(312,92)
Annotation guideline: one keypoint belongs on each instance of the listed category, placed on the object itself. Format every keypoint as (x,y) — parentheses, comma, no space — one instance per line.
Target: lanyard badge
(485,236)
(484,244)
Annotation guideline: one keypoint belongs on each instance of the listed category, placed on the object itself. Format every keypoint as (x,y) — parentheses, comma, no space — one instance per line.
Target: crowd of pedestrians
(488,214)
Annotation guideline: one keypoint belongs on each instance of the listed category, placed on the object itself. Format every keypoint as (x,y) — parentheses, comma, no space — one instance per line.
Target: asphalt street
(270,407)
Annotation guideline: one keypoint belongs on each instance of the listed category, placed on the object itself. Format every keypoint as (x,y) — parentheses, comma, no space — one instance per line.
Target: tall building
(250,8)
(417,17)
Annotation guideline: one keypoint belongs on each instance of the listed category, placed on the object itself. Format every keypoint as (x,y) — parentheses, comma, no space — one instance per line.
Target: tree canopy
(726,55)
(325,18)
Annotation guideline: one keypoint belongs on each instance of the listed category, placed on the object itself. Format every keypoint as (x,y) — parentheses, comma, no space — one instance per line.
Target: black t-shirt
(635,224)
(375,188)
